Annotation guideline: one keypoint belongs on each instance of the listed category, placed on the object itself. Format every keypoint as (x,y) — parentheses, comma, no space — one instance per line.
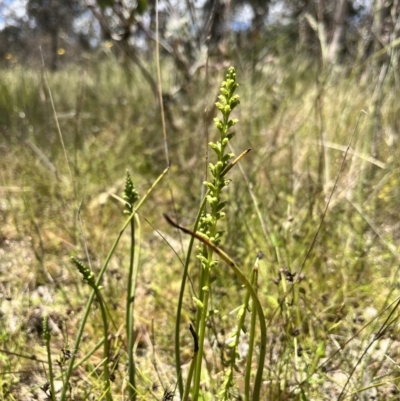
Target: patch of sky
(241,18)
(11,11)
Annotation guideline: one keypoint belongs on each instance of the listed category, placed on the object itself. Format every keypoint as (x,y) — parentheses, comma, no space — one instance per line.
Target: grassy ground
(335,333)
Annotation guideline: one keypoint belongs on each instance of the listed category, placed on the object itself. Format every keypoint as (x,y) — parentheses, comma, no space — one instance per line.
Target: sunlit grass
(298,124)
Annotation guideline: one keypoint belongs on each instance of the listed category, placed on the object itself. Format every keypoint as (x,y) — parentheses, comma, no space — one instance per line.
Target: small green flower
(87,274)
(46,328)
(130,194)
(227,102)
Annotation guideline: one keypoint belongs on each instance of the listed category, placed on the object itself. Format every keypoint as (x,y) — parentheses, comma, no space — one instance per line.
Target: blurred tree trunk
(305,30)
(338,29)
(377,23)
(121,40)
(328,21)
(53,17)
(215,29)
(386,27)
(385,22)
(384,31)
(54,50)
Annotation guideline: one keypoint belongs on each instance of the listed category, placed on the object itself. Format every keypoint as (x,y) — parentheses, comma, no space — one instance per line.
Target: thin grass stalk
(130,197)
(201,318)
(132,278)
(53,107)
(97,283)
(106,346)
(192,364)
(89,354)
(252,335)
(329,358)
(242,317)
(265,227)
(88,277)
(202,328)
(47,337)
(200,293)
(76,346)
(190,376)
(179,311)
(314,240)
(382,329)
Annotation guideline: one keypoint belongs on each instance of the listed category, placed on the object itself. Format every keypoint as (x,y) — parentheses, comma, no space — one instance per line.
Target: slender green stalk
(263,328)
(179,311)
(252,335)
(130,318)
(192,365)
(181,295)
(225,393)
(132,280)
(47,337)
(88,277)
(202,330)
(106,347)
(189,378)
(89,354)
(98,281)
(131,196)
